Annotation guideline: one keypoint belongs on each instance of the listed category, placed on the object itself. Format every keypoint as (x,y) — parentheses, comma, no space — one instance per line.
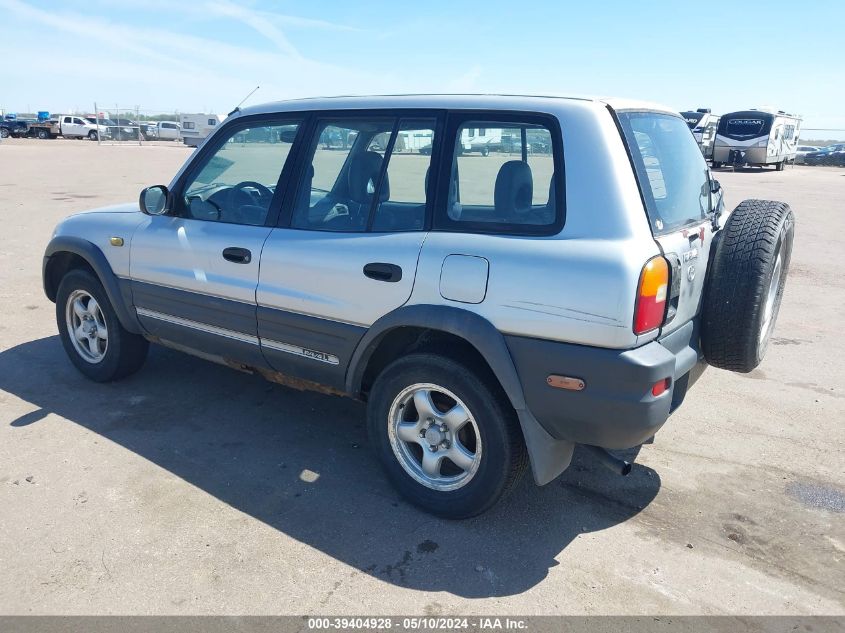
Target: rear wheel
(745,284)
(95,341)
(447,439)
(780,165)
(42,134)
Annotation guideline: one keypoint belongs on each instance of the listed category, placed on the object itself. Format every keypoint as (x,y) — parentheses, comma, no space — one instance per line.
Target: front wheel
(4,133)
(447,438)
(92,135)
(95,341)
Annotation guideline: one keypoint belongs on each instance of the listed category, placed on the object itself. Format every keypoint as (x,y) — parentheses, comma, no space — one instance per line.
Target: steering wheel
(239,190)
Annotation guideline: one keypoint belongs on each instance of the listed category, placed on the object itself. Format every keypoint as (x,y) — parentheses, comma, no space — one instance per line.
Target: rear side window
(502,179)
(670,168)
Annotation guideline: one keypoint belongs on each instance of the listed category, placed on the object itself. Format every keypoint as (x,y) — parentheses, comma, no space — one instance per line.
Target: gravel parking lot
(191,488)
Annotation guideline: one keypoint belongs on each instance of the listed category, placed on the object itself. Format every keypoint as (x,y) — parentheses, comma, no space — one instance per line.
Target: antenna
(238,107)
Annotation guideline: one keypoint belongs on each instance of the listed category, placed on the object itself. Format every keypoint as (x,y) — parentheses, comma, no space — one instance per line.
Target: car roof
(450,101)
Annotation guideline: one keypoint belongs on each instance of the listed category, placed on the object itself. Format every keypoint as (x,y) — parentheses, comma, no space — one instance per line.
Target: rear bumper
(616,408)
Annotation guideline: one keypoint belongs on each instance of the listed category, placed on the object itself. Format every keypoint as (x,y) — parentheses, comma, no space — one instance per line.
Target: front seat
(362,179)
(514,192)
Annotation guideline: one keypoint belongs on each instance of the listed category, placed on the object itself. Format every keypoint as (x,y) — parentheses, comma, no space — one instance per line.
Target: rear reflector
(651,296)
(565,382)
(660,387)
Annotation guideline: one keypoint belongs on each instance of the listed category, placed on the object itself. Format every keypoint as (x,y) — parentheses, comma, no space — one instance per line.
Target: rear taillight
(651,296)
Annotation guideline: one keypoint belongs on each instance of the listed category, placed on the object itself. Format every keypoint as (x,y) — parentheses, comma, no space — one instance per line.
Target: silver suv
(566,287)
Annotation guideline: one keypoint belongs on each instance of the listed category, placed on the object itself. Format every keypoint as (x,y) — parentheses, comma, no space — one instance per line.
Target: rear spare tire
(745,284)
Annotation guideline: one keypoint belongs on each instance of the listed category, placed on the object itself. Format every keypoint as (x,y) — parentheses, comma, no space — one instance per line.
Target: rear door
(676,187)
(346,253)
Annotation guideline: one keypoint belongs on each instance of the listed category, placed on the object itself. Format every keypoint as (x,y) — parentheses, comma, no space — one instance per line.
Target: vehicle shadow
(300,463)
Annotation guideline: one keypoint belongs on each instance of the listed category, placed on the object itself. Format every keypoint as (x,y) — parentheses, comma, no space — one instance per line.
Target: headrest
(363,178)
(514,188)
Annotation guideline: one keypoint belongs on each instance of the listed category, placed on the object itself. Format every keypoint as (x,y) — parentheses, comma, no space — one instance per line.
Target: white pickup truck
(162,131)
(69,126)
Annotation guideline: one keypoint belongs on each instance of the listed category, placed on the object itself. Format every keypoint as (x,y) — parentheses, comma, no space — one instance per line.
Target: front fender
(95,258)
(549,456)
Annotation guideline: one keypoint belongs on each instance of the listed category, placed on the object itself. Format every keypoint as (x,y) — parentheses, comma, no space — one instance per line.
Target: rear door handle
(383,272)
(237,255)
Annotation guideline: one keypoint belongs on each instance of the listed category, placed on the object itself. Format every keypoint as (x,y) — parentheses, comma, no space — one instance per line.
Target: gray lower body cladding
(616,408)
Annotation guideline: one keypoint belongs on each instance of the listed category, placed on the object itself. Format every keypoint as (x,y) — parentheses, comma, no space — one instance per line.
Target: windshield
(745,125)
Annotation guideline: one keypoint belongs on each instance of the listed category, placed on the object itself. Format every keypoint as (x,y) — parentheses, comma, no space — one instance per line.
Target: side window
(237,182)
(402,197)
(78,121)
(339,183)
(502,181)
(212,122)
(188,125)
(68,119)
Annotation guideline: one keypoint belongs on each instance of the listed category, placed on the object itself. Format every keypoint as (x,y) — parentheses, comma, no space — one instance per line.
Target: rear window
(671,171)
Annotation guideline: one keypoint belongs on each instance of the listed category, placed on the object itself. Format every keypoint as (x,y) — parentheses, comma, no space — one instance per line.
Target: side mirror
(715,187)
(153,200)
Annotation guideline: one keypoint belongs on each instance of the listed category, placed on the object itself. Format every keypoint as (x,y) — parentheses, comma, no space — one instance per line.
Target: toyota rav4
(567,288)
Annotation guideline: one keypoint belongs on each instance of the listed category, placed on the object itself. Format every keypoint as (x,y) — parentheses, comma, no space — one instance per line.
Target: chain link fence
(121,125)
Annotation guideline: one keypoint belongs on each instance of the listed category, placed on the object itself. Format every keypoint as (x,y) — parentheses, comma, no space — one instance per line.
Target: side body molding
(118,296)
(549,456)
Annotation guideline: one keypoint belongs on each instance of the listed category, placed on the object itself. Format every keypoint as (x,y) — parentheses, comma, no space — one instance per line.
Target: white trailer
(757,137)
(197,127)
(703,124)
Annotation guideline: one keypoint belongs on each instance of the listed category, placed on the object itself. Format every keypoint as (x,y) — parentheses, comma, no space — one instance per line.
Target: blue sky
(206,55)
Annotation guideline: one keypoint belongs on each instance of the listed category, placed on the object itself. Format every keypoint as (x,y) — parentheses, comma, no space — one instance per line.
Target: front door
(194,271)
(349,253)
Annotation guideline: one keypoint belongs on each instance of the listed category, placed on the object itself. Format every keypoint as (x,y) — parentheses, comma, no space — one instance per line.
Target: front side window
(238,181)
(503,181)
(368,174)
(672,174)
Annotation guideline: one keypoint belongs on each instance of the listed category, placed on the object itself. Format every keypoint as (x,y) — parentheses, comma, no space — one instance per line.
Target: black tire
(780,165)
(716,164)
(125,352)
(4,133)
(92,135)
(503,458)
(485,151)
(43,134)
(740,282)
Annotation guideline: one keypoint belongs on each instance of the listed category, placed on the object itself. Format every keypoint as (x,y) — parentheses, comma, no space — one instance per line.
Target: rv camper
(757,137)
(703,124)
(196,127)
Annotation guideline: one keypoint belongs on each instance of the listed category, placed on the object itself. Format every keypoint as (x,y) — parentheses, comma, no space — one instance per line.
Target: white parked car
(492,312)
